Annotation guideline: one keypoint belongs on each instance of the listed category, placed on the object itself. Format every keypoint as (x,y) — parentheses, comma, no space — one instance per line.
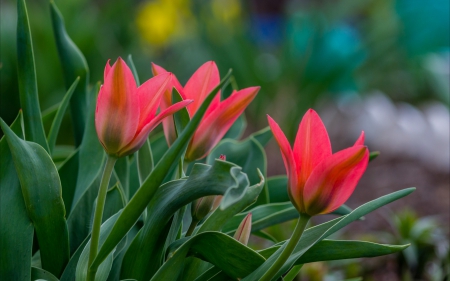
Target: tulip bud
(243,232)
(201,207)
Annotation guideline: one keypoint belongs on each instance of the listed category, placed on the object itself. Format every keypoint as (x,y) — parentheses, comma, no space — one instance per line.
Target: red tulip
(319,182)
(220,114)
(125,113)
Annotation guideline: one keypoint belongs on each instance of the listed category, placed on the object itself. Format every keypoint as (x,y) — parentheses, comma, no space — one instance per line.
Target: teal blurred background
(330,55)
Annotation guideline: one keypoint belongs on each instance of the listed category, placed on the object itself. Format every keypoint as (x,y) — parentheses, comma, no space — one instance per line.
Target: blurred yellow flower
(162,20)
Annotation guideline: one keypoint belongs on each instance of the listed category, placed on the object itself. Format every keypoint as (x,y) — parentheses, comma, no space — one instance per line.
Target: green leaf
(41,190)
(114,201)
(181,117)
(267,215)
(373,155)
(204,180)
(79,219)
(134,176)
(263,136)
(74,65)
(144,162)
(105,267)
(53,134)
(277,187)
(16,231)
(122,171)
(263,216)
(293,273)
(49,114)
(265,235)
(40,274)
(237,129)
(68,172)
(61,153)
(26,73)
(144,194)
(315,234)
(219,217)
(90,162)
(327,250)
(91,156)
(217,248)
(175,228)
(159,147)
(249,155)
(216,221)
(133,69)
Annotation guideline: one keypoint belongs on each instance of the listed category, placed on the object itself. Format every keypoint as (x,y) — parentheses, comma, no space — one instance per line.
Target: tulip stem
(288,249)
(194,223)
(101,198)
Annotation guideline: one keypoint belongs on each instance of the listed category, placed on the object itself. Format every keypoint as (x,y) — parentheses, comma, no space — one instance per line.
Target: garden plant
(179,205)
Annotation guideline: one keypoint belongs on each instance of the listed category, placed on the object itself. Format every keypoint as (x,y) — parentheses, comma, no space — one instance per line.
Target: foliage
(143,234)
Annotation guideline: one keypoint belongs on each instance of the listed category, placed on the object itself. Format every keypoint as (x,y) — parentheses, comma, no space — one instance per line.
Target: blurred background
(381,66)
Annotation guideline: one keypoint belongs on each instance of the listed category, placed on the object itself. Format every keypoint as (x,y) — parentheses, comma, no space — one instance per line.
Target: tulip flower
(242,233)
(220,114)
(319,181)
(124,117)
(125,113)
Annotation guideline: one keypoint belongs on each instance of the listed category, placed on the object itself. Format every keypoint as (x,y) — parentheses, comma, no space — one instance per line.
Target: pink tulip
(319,182)
(220,114)
(125,113)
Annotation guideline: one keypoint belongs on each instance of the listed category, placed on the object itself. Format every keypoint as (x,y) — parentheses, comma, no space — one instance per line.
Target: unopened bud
(243,231)
(201,207)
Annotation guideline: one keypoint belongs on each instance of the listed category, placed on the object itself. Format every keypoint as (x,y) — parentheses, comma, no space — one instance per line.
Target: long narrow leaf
(168,199)
(54,129)
(315,234)
(74,65)
(26,70)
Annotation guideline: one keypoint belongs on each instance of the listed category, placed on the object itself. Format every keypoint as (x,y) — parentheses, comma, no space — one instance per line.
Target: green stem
(287,251)
(101,198)
(194,223)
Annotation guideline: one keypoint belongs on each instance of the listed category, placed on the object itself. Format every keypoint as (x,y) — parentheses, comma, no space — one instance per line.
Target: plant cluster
(175,206)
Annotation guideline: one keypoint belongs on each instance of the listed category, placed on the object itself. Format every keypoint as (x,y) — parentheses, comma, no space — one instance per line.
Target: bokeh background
(381,66)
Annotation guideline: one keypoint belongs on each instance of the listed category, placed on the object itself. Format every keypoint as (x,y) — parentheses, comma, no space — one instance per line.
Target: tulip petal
(150,94)
(361,139)
(242,233)
(107,69)
(140,138)
(168,123)
(312,145)
(333,181)
(201,83)
(117,112)
(156,69)
(294,192)
(214,126)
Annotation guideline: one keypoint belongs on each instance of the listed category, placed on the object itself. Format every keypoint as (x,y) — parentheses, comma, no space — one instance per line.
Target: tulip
(125,113)
(124,117)
(220,114)
(242,233)
(319,181)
